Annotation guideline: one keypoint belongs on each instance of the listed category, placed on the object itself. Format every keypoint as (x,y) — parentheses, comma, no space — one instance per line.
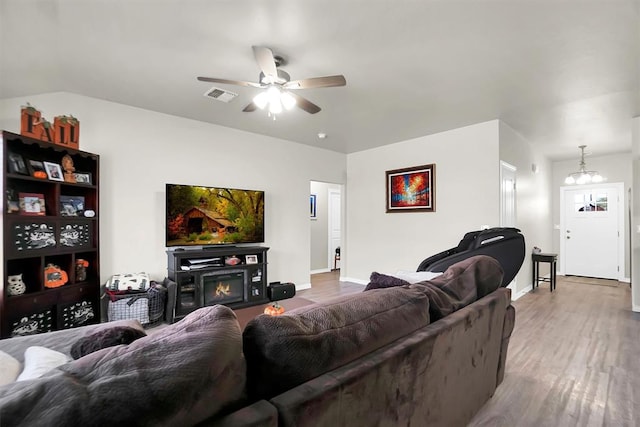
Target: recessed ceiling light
(322,135)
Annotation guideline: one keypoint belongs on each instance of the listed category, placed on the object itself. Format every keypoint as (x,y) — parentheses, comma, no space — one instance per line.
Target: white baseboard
(521,293)
(303,286)
(635,308)
(625,280)
(322,270)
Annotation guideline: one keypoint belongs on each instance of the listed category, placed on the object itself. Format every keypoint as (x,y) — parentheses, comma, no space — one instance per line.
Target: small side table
(537,259)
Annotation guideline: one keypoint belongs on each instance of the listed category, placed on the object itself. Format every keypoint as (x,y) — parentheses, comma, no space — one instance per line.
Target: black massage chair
(506,245)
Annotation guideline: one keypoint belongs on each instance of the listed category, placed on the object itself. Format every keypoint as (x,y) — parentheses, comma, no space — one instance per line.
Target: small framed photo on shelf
(36,169)
(83,177)
(251,259)
(31,204)
(17,164)
(54,171)
(71,205)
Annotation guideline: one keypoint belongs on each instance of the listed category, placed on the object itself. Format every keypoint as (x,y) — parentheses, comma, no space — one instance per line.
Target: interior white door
(335,228)
(507,195)
(591,232)
(508,200)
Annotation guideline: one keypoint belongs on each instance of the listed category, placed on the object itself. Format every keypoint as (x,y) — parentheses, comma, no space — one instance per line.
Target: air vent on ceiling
(220,94)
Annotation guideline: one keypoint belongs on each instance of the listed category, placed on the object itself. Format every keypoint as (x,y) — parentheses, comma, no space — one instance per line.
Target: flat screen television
(204,216)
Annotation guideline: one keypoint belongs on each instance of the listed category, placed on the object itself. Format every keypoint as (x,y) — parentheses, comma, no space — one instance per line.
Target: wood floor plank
(325,286)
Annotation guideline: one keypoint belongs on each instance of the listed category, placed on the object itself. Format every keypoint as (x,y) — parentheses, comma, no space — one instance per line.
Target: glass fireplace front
(222,287)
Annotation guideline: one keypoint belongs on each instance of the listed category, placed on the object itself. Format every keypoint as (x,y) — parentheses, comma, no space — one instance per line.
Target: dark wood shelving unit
(31,242)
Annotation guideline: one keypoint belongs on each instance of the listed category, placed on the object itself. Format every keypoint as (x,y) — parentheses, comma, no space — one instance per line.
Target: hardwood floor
(573,359)
(325,286)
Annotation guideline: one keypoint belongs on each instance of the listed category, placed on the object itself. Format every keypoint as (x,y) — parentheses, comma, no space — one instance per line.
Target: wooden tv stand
(235,276)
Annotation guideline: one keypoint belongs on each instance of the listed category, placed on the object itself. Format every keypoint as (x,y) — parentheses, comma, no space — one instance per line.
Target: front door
(591,234)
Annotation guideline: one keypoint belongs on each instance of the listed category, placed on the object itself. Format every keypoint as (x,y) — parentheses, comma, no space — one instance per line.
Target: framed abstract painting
(411,189)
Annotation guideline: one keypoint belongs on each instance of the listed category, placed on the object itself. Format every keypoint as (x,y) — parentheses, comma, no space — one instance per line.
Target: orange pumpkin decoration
(274,309)
(40,174)
(54,276)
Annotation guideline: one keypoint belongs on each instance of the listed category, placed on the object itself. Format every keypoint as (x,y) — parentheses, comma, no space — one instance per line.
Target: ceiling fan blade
(229,82)
(266,62)
(305,104)
(316,82)
(250,107)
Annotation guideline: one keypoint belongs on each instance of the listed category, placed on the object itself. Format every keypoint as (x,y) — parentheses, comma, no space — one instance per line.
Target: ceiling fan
(279,87)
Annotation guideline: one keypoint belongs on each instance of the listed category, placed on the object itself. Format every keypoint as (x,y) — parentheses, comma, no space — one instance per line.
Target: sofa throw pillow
(179,375)
(9,368)
(287,350)
(40,360)
(105,338)
(380,281)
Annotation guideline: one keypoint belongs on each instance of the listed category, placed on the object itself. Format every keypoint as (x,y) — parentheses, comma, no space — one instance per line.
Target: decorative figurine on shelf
(29,117)
(67,165)
(81,270)
(16,285)
(67,131)
(54,276)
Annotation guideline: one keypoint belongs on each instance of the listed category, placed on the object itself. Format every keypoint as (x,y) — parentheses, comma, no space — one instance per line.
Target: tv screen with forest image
(199,215)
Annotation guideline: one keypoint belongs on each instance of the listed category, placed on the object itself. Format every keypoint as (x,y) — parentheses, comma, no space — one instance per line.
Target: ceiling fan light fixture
(275,100)
(277,83)
(275,107)
(261,100)
(288,101)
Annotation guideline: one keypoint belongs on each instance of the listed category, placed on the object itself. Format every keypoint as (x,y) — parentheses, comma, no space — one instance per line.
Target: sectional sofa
(429,353)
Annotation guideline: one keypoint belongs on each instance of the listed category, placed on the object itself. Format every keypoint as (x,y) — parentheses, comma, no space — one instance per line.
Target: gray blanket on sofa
(180,375)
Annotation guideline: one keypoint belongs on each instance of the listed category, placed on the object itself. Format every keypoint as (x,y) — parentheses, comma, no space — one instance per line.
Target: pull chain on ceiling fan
(279,86)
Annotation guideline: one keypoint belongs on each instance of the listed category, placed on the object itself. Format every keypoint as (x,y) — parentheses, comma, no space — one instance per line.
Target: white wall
(615,168)
(467,182)
(142,150)
(635,211)
(533,200)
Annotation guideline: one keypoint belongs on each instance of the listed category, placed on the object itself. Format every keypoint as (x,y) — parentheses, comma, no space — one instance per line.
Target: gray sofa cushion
(460,285)
(287,350)
(179,375)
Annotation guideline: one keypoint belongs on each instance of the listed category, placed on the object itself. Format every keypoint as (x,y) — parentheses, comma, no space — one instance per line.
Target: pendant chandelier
(583,176)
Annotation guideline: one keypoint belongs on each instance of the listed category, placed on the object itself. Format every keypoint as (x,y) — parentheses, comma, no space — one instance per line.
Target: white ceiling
(560,72)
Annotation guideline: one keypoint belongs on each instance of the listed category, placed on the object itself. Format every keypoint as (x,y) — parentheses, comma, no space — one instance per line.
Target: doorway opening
(326,229)
(508,200)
